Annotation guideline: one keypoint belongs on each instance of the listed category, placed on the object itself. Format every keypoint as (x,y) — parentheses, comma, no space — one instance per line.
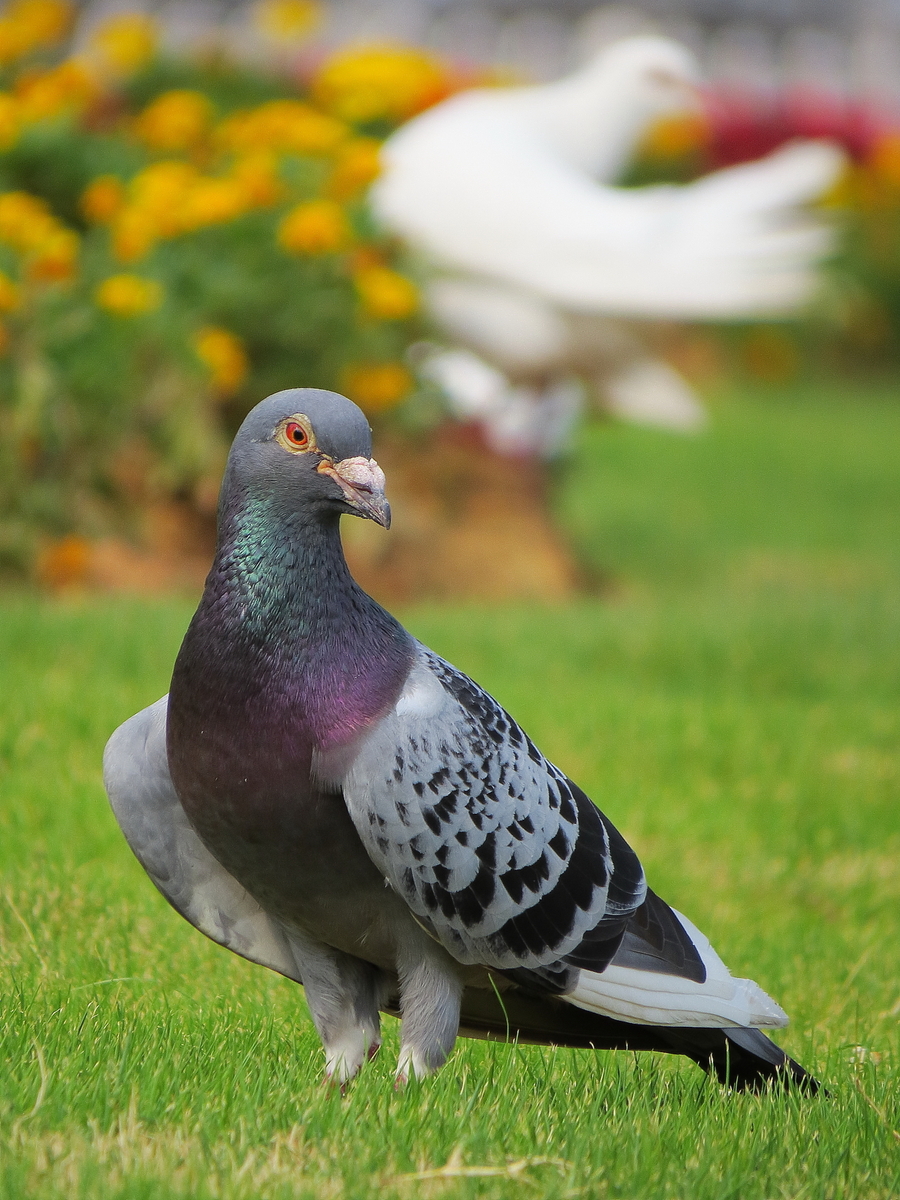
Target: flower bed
(177,239)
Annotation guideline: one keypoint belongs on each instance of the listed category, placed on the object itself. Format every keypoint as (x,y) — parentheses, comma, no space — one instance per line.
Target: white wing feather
(470,185)
(136,775)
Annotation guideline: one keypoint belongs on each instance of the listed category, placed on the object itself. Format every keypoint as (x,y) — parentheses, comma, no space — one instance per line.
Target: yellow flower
(170,198)
(10,121)
(287,20)
(64,88)
(385,294)
(257,177)
(212,201)
(55,259)
(376,387)
(102,199)
(128,295)
(675,136)
(29,25)
(28,225)
(224,356)
(126,43)
(13,44)
(391,82)
(26,222)
(884,158)
(176,120)
(285,126)
(317,227)
(161,188)
(9,294)
(133,235)
(154,208)
(357,164)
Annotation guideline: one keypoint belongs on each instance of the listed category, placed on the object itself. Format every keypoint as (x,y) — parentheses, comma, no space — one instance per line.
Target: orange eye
(296,434)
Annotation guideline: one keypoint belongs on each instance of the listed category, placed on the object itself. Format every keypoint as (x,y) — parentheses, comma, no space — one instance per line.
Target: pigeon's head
(654,74)
(311,450)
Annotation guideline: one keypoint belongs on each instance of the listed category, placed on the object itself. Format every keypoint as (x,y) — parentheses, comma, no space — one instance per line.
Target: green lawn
(733,703)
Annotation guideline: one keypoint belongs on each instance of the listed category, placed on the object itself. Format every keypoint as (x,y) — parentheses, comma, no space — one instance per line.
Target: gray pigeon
(323,795)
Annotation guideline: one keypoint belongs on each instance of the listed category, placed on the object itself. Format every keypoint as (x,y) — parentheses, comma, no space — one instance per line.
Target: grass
(732,704)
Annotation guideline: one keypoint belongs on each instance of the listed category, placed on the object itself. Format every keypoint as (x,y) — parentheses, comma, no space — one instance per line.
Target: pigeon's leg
(430,993)
(343,994)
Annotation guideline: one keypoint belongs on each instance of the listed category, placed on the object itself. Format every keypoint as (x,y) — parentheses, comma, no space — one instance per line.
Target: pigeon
(322,794)
(493,182)
(534,260)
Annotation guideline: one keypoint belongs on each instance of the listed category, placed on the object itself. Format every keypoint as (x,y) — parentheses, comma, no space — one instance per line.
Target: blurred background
(630,347)
(186,225)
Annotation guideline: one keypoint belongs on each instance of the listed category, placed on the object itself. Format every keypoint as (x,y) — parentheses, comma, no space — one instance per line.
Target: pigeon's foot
(344,1057)
(430,992)
(412,1065)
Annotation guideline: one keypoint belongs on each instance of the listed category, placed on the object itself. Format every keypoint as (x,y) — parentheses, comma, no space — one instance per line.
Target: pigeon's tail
(744,1059)
(740,1057)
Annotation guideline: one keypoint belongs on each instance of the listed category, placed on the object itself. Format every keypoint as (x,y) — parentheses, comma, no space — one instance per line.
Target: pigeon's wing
(496,852)
(510,866)
(136,775)
(475,190)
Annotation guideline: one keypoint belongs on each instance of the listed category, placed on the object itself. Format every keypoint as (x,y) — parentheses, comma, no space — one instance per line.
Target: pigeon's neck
(276,572)
(284,638)
(593,120)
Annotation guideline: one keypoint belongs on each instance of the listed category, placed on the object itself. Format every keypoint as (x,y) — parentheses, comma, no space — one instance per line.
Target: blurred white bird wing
(501,857)
(136,775)
(473,189)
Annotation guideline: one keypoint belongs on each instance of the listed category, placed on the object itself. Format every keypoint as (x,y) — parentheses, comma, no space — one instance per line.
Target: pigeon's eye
(295,434)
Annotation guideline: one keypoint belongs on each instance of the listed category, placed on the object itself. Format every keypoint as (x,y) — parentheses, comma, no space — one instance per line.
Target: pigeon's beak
(362,482)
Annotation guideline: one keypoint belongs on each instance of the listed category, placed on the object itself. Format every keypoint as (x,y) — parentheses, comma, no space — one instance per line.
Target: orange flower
(224,356)
(125,43)
(25,220)
(285,126)
(160,189)
(176,120)
(10,121)
(212,201)
(385,294)
(28,225)
(392,82)
(66,88)
(376,387)
(155,207)
(102,199)
(357,164)
(55,259)
(9,293)
(65,563)
(128,295)
(884,158)
(317,227)
(133,236)
(257,177)
(675,136)
(29,25)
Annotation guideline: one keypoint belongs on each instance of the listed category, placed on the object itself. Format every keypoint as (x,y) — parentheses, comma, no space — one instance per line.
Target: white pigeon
(507,194)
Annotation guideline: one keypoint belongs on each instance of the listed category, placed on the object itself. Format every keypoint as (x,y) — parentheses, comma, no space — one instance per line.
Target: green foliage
(110,401)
